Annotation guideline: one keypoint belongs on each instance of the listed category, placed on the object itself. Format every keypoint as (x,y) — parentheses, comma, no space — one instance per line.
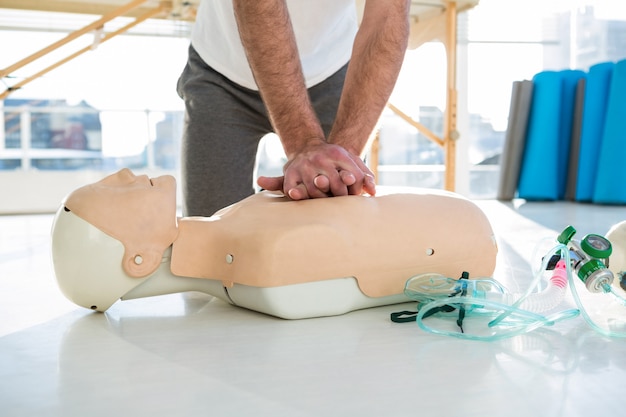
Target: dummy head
(137,211)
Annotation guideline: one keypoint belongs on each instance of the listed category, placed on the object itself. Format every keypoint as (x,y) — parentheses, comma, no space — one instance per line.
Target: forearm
(377,57)
(269,41)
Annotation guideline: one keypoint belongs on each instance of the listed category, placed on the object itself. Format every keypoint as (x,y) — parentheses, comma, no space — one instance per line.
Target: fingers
(343,183)
(339,183)
(271,183)
(347,177)
(369,184)
(334,184)
(365,182)
(321,186)
(317,187)
(298,192)
(322,171)
(322,183)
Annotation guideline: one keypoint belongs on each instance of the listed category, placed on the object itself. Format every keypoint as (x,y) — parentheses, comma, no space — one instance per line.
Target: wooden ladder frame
(450,132)
(163,7)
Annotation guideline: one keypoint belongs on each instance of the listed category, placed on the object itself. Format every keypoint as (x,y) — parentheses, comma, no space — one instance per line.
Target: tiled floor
(188,354)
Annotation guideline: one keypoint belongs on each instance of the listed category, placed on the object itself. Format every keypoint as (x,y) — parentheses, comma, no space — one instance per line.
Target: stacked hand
(322,170)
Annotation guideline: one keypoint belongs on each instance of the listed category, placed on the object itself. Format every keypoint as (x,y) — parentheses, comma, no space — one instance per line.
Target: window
(500,41)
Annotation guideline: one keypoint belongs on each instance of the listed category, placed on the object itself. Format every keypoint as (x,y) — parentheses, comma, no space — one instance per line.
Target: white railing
(40,162)
(118,137)
(37,174)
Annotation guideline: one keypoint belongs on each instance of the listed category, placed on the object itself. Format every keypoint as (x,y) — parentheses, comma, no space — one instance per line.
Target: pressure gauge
(596,246)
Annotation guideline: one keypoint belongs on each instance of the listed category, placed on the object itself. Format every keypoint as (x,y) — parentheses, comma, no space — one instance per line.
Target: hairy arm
(268,38)
(377,57)
(318,167)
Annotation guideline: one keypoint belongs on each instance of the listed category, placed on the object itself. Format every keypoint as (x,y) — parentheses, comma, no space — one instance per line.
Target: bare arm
(269,41)
(268,38)
(377,57)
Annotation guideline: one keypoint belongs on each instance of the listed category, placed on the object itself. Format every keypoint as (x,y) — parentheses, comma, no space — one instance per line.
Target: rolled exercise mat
(546,154)
(574,149)
(610,185)
(597,86)
(514,140)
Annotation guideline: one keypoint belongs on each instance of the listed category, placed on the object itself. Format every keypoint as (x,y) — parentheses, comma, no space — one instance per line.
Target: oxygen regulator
(589,259)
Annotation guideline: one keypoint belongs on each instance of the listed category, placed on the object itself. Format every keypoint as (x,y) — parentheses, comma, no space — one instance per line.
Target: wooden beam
(106,37)
(180,9)
(450,133)
(72,36)
(420,127)
(93,7)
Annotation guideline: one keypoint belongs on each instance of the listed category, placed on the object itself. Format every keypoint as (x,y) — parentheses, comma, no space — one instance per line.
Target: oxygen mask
(500,314)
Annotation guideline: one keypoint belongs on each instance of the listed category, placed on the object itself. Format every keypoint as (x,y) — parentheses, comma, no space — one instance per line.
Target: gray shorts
(224,123)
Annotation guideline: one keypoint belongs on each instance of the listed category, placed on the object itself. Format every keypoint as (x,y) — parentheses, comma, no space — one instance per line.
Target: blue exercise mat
(543,175)
(594,115)
(610,184)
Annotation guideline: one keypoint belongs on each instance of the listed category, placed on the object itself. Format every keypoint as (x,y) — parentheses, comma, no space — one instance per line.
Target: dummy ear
(139,264)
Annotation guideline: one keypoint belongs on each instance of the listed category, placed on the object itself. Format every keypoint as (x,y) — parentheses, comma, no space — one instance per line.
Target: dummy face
(138,211)
(127,182)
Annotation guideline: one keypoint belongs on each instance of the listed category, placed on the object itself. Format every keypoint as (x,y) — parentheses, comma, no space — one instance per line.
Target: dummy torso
(267,240)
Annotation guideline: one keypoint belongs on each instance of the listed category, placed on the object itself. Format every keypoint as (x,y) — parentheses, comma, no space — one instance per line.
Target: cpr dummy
(120,238)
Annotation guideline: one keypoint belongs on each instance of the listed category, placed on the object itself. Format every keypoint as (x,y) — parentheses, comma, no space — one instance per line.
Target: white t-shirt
(324,31)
